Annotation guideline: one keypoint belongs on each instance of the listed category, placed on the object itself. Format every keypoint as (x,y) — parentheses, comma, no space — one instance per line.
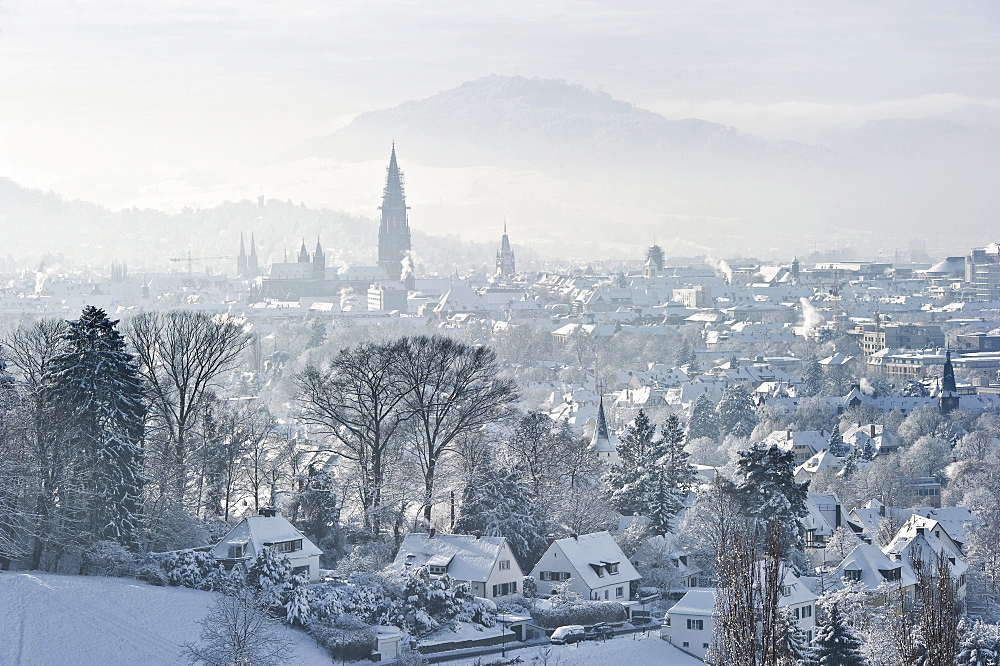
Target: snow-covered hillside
(84,620)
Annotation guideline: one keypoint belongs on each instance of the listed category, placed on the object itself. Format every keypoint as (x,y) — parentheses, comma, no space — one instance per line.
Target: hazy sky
(92,90)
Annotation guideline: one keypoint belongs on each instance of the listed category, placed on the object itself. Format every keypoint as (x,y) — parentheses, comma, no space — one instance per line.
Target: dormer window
(288,546)
(437,570)
(786,590)
(236,551)
(852,574)
(612,567)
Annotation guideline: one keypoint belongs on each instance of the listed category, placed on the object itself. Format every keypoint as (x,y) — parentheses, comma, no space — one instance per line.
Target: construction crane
(191,259)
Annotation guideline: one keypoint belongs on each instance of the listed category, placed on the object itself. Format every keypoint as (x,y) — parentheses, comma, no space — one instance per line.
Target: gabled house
(271,530)
(486,563)
(690,623)
(597,566)
(869,567)
(917,543)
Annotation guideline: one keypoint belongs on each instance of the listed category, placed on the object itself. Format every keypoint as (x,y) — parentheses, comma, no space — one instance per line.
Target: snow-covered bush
(271,573)
(347,639)
(191,568)
(428,603)
(581,612)
(364,596)
(152,573)
(108,558)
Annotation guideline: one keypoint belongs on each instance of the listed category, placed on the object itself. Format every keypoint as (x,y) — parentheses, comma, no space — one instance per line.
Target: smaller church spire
(303,252)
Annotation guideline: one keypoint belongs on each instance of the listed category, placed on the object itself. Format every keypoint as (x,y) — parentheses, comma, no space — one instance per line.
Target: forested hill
(44,225)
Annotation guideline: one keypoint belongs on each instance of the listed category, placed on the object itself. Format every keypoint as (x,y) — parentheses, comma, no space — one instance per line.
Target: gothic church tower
(394,228)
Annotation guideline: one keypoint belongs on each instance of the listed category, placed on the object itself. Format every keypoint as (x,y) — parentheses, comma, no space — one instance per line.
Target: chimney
(576,537)
(268,511)
(871,429)
(788,434)
(549,540)
(920,530)
(478,535)
(431,534)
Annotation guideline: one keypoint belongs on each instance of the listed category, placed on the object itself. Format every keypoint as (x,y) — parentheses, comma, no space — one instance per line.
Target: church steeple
(601,442)
(241,260)
(505,255)
(394,226)
(303,252)
(253,268)
(948,397)
(319,262)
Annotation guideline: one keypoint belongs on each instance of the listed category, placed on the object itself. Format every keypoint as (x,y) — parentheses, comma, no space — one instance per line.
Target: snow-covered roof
(586,550)
(467,557)
(256,531)
(874,567)
(695,602)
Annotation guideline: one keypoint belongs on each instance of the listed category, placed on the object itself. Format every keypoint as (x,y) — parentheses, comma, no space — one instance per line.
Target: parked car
(599,631)
(571,633)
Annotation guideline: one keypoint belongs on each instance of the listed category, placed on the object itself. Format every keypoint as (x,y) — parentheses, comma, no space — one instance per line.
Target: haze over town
(541,332)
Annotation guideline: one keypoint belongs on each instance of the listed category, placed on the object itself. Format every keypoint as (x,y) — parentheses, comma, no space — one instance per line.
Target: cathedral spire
(394,226)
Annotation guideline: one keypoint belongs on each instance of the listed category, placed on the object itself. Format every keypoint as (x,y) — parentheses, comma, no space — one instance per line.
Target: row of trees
(96,426)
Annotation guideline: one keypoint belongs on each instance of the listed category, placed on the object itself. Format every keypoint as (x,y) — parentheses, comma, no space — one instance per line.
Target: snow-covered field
(628,650)
(46,619)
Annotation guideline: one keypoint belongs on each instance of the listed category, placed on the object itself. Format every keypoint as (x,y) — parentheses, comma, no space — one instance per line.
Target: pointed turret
(303,253)
(505,256)
(948,396)
(241,260)
(601,442)
(253,268)
(394,227)
(319,262)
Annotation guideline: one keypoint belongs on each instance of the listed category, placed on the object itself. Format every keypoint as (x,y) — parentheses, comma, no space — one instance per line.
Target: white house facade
(593,563)
(485,562)
(269,530)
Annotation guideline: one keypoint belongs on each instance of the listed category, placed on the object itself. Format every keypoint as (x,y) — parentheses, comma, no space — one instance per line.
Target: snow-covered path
(46,619)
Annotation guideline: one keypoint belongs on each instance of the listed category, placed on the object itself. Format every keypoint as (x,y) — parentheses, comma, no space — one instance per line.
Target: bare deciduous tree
(454,389)
(357,402)
(180,354)
(238,631)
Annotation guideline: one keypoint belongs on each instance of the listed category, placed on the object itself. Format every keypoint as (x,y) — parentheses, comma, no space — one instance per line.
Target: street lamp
(503,634)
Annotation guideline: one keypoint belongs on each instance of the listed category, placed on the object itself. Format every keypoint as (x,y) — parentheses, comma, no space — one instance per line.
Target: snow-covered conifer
(836,644)
(736,412)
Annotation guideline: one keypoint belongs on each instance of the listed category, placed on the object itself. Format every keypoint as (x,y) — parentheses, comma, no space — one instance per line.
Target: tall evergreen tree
(703,421)
(629,481)
(813,379)
(95,389)
(836,644)
(836,445)
(736,412)
(769,491)
(499,502)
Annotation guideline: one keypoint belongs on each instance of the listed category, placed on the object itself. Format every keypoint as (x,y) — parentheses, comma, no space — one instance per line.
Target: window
(545,575)
(504,565)
(287,546)
(685,644)
(807,611)
(795,613)
(619,592)
(809,636)
(301,570)
(236,552)
(605,594)
(852,574)
(437,570)
(503,589)
(696,625)
(704,645)
(613,568)
(786,590)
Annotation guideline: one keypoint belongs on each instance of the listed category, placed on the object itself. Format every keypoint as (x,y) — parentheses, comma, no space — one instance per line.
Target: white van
(571,633)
